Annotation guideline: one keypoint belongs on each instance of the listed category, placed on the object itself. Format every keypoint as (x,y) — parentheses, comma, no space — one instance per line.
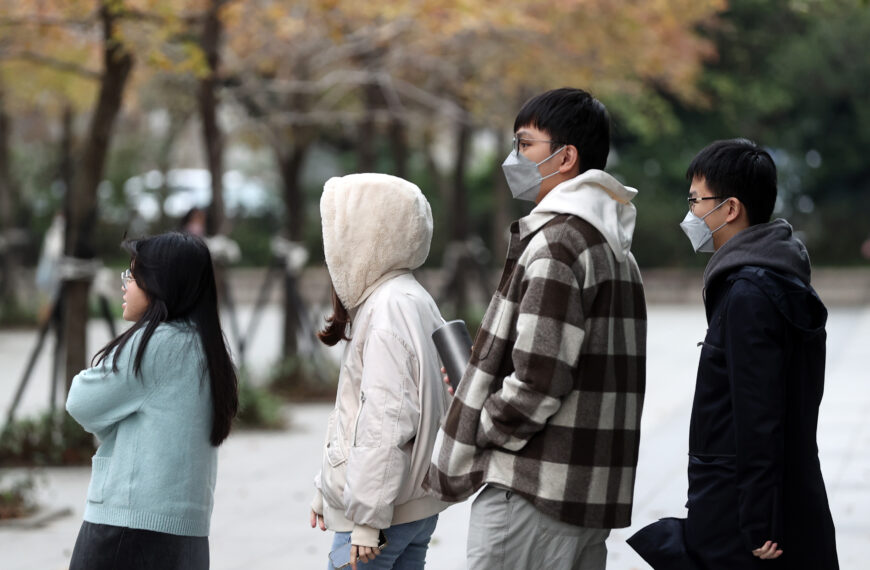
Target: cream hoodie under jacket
(391,398)
(598,198)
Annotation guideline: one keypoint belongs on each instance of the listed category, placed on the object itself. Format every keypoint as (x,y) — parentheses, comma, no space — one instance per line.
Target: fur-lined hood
(375,226)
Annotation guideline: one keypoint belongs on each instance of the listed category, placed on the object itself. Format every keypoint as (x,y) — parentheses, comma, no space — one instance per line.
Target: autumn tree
(413,71)
(303,72)
(62,42)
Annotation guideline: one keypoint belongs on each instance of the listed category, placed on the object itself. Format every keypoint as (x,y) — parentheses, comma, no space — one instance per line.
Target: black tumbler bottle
(454,347)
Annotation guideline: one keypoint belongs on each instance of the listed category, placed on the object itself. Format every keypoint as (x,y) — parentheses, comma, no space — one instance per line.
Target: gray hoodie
(771,245)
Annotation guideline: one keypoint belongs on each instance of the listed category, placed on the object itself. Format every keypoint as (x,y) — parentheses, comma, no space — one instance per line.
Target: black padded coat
(754,472)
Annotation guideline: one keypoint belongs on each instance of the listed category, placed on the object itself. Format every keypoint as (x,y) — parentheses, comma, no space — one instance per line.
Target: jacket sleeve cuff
(489,435)
(363,535)
(317,502)
(754,539)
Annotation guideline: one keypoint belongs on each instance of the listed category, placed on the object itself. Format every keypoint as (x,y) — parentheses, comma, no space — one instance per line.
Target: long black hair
(175,272)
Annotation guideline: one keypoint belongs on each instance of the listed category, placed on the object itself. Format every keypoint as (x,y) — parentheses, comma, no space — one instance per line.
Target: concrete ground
(260,520)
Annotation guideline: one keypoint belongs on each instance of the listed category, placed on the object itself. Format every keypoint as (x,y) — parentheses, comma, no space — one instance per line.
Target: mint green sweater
(155,468)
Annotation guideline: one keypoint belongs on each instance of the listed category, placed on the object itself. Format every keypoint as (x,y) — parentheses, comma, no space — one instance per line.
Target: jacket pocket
(362,403)
(334,454)
(712,482)
(99,474)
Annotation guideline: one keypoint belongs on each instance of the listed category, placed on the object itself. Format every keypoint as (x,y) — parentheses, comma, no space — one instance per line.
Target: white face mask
(523,177)
(699,232)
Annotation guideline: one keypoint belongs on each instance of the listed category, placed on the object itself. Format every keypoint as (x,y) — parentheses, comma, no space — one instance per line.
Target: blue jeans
(406,546)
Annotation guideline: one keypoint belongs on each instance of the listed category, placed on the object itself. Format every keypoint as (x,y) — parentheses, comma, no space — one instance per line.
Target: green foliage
(253,234)
(297,378)
(801,92)
(473,317)
(49,439)
(16,497)
(14,314)
(258,408)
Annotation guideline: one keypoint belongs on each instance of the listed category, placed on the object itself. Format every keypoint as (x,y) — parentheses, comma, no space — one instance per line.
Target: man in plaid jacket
(547,414)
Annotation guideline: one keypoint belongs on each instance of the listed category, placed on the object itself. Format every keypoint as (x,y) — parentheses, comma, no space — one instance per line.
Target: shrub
(303,379)
(49,439)
(16,498)
(258,408)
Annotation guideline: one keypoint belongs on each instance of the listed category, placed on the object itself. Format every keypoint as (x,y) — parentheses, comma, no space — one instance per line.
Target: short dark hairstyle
(570,116)
(738,168)
(176,273)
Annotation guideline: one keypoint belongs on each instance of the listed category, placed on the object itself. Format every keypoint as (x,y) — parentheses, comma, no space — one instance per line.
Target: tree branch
(58,64)
(345,80)
(42,21)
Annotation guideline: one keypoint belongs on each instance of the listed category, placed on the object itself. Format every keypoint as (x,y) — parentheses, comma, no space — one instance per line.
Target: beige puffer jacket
(390,400)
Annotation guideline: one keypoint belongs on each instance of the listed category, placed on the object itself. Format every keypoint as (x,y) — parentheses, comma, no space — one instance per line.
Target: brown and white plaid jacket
(550,403)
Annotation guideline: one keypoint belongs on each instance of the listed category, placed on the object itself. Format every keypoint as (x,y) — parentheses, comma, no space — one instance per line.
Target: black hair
(570,116)
(175,272)
(738,168)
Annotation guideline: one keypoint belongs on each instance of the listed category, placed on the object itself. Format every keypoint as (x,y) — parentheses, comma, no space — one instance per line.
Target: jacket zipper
(362,400)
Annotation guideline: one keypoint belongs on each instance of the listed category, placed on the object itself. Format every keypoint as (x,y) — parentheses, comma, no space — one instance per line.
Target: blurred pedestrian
(547,415)
(161,398)
(390,398)
(194,222)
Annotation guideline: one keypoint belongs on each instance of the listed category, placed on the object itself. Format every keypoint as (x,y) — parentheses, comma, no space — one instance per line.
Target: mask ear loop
(554,173)
(725,223)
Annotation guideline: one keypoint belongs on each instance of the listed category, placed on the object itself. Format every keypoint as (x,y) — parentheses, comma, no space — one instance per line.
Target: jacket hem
(413,510)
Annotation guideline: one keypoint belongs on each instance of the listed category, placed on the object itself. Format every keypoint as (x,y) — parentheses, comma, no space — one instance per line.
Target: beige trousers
(507,532)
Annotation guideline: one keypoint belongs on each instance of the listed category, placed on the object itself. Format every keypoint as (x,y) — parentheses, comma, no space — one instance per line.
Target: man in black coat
(756,494)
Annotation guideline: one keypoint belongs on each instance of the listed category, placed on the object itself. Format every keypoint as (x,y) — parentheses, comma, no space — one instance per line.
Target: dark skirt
(106,547)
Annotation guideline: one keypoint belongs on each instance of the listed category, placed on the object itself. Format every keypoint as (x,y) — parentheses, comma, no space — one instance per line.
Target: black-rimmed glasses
(697,199)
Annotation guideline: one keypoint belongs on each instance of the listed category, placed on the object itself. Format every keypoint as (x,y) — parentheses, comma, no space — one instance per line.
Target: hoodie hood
(770,245)
(375,226)
(596,197)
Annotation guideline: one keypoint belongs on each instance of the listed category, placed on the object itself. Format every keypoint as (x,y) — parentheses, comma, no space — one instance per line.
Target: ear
(570,161)
(734,210)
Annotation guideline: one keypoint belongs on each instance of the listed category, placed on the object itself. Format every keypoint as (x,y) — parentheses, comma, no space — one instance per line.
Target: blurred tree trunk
(290,164)
(65,168)
(8,207)
(367,135)
(458,280)
(82,195)
(441,184)
(8,202)
(212,135)
(177,120)
(399,147)
(501,197)
(459,210)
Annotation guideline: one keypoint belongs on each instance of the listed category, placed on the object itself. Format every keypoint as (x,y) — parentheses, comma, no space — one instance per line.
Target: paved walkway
(264,482)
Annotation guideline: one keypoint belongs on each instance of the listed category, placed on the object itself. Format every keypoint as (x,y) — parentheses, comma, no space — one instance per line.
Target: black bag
(663,545)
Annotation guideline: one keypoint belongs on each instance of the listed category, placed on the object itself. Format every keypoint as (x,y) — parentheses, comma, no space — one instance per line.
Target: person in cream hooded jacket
(390,401)
(547,414)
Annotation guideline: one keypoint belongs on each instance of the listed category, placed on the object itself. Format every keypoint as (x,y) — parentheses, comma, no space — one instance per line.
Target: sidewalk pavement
(260,520)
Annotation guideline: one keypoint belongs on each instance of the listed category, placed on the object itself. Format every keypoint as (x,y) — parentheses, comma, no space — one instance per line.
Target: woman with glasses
(161,398)
(391,399)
